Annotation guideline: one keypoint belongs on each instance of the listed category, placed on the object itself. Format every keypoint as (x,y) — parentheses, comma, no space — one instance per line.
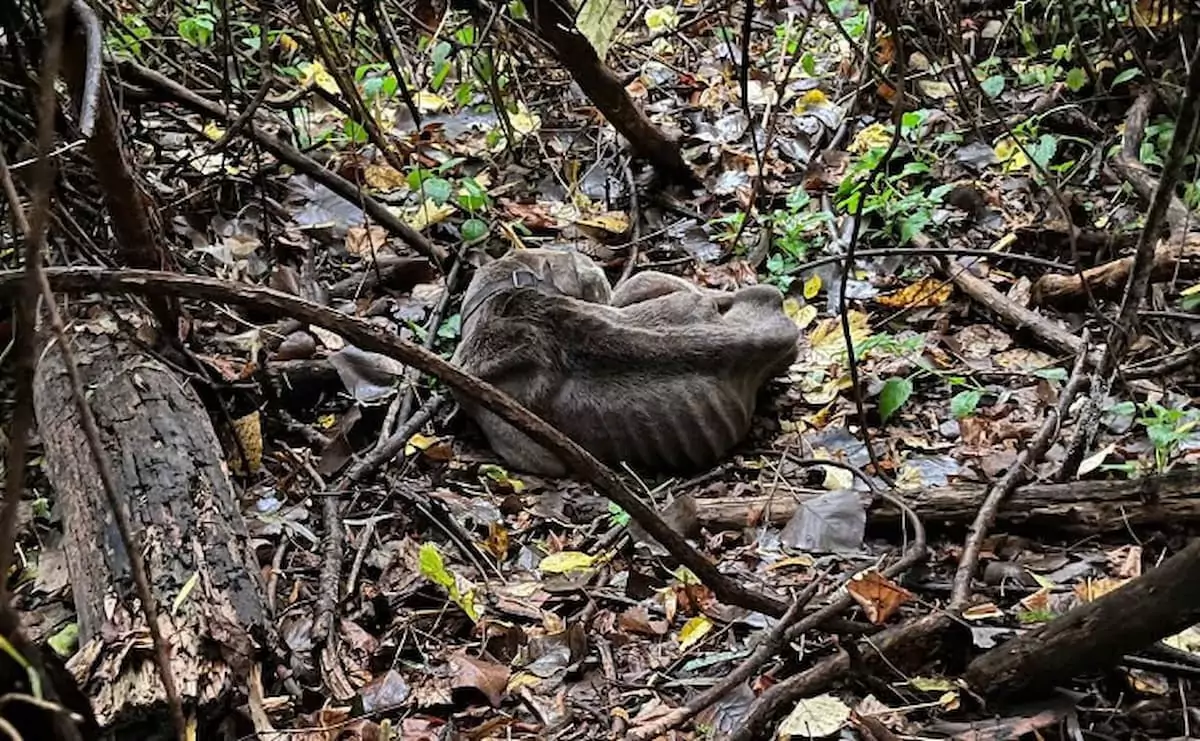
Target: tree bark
(1097,634)
(181,504)
(1081,507)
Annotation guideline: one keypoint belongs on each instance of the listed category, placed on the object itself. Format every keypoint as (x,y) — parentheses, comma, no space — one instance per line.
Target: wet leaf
(830,523)
(489,678)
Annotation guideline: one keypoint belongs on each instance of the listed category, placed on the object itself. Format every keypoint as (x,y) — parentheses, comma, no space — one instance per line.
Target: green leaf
(354,132)
(433,567)
(809,64)
(893,396)
(1051,374)
(450,328)
(598,21)
(1126,76)
(437,190)
(474,230)
(1076,79)
(617,515)
(65,641)
(1043,151)
(965,403)
(914,224)
(993,86)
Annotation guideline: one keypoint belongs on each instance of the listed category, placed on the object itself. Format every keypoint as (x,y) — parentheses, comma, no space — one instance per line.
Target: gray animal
(659,374)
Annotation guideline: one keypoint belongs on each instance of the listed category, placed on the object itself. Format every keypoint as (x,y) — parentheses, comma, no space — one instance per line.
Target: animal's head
(549,271)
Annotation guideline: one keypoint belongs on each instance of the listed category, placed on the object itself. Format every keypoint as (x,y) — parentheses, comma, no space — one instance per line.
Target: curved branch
(376,339)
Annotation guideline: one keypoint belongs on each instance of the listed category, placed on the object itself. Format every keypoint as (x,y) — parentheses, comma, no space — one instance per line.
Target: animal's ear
(477,257)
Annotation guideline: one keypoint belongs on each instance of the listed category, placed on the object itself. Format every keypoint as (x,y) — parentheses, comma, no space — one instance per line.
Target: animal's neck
(518,277)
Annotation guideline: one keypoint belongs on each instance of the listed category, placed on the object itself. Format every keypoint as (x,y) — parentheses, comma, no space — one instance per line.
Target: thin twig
(1014,477)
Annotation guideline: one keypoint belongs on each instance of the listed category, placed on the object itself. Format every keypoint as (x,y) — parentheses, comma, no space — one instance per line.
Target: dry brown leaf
(878,596)
(487,677)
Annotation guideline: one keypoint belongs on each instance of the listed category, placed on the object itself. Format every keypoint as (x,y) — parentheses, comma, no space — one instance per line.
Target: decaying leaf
(815,717)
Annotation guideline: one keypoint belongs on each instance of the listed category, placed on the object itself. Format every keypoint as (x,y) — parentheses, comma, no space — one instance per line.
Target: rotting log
(169,471)
(1081,507)
(1095,635)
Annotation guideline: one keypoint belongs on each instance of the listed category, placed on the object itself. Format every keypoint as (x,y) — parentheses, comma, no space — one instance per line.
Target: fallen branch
(1000,491)
(914,553)
(1095,635)
(1075,508)
(903,647)
(291,156)
(1046,331)
(375,339)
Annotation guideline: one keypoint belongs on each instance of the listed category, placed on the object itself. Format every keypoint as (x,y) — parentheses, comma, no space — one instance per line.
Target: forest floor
(488,603)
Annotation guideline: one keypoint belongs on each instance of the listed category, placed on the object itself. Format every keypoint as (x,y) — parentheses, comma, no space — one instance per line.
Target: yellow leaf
(662,19)
(249,432)
(924,293)
(613,222)
(1011,157)
(803,560)
(827,341)
(693,630)
(932,684)
(315,72)
(810,99)
(1190,290)
(524,122)
(566,561)
(212,131)
(287,43)
(183,593)
(326,421)
(428,102)
(428,213)
(875,136)
(418,442)
(812,286)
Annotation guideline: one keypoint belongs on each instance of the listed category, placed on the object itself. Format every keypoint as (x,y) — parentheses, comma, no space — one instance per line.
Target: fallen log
(1108,280)
(1080,507)
(203,572)
(1094,635)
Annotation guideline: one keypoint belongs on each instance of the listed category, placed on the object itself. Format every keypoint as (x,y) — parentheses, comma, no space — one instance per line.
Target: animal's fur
(660,374)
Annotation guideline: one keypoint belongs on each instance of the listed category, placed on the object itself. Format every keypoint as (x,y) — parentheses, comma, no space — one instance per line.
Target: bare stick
(1028,458)
(376,339)
(290,155)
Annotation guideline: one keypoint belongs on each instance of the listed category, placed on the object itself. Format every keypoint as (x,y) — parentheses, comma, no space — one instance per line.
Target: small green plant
(125,39)
(902,202)
(1167,429)
(197,29)
(616,515)
(797,229)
